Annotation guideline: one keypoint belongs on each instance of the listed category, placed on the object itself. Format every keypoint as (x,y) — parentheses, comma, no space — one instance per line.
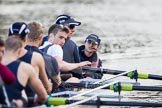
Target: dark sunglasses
(71,26)
(92,42)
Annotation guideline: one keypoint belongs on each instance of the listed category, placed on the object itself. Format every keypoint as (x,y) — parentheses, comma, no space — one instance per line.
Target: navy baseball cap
(19,28)
(66,19)
(94,37)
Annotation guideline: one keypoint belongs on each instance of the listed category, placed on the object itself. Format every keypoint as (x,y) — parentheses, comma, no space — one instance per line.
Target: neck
(87,53)
(9,57)
(32,43)
(23,52)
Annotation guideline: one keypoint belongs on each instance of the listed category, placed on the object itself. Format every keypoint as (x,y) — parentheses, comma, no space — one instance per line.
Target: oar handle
(56,101)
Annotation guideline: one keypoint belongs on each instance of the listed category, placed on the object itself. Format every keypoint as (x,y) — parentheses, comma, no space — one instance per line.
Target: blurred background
(131,30)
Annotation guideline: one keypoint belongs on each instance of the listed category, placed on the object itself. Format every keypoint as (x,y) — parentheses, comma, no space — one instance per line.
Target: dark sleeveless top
(27,58)
(14,89)
(51,64)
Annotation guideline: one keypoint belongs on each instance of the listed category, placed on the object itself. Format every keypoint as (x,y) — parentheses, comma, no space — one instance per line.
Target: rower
(6,77)
(88,52)
(24,73)
(70,49)
(34,39)
(56,39)
(21,30)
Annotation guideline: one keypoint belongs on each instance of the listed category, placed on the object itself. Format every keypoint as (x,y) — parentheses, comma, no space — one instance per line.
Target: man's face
(1,52)
(91,45)
(59,38)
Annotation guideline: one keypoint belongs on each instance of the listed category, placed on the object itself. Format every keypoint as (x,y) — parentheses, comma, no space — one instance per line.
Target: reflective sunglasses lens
(89,41)
(71,26)
(92,42)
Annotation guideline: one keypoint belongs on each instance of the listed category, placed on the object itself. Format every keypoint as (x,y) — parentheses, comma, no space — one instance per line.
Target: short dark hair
(57,27)
(13,43)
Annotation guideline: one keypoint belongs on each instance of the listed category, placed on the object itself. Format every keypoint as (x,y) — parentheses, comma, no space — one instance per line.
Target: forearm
(38,88)
(47,84)
(64,66)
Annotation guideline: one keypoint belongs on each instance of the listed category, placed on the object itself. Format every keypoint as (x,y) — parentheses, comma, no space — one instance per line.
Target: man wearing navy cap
(70,49)
(87,52)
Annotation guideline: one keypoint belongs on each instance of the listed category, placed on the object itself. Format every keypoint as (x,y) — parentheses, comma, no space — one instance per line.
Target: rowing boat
(92,93)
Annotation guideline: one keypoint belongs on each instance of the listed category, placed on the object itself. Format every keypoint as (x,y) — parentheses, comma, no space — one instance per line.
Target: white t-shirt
(54,50)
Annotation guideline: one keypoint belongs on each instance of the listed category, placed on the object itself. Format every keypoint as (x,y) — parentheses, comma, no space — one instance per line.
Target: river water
(130,29)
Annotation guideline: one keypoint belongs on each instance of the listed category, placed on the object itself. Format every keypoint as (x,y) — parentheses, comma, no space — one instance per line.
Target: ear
(25,39)
(40,37)
(51,35)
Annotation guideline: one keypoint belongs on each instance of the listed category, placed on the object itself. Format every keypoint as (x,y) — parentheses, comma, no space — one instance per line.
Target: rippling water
(130,29)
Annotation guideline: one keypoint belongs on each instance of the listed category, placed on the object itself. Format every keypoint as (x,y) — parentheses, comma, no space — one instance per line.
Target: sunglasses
(92,42)
(71,26)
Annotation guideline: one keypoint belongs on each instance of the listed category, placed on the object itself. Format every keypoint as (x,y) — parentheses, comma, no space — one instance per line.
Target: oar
(113,86)
(92,90)
(72,93)
(117,87)
(62,101)
(132,74)
(103,80)
(93,81)
(117,103)
(100,87)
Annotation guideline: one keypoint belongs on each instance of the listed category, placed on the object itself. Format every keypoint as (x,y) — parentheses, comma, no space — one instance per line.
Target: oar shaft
(147,88)
(100,70)
(124,87)
(140,75)
(117,103)
(157,77)
(113,72)
(64,101)
(113,77)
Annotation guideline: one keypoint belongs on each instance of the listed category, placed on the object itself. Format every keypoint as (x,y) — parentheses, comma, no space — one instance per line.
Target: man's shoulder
(82,47)
(69,42)
(37,54)
(46,43)
(37,58)
(25,67)
(55,47)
